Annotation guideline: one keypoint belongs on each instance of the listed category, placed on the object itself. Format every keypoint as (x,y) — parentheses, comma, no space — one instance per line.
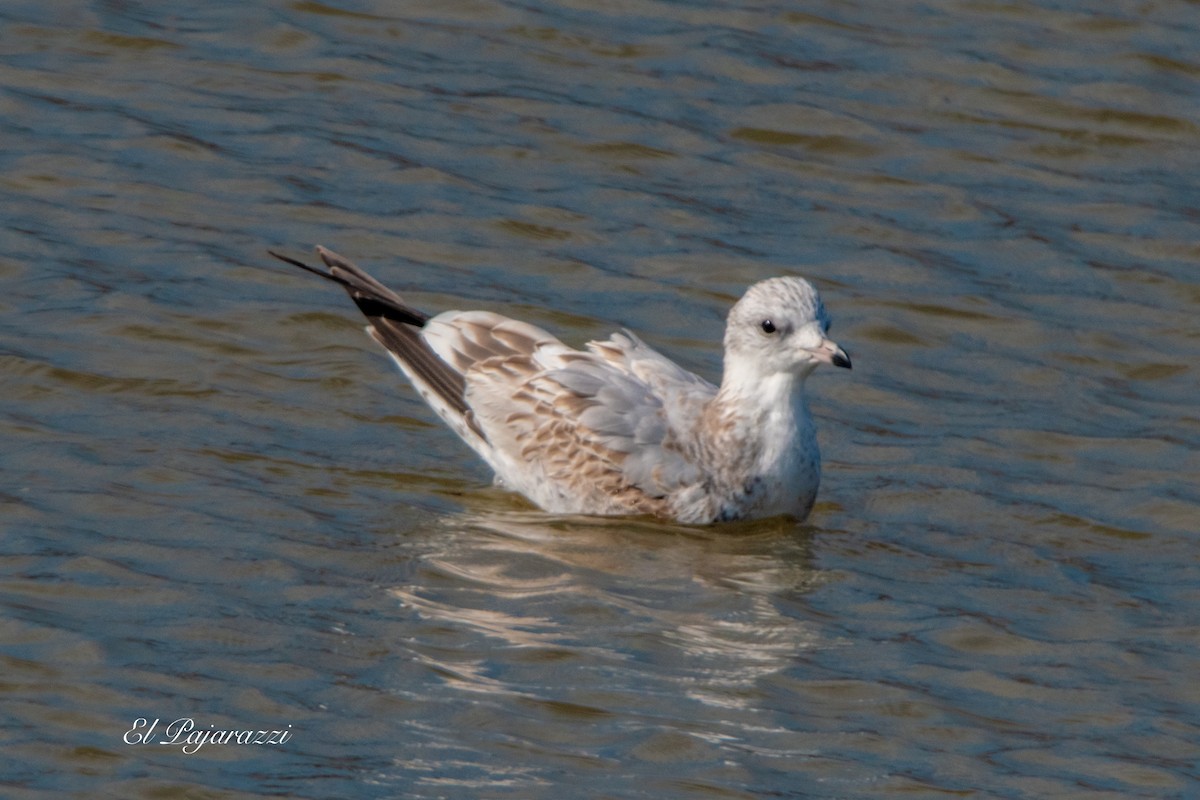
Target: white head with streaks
(779,328)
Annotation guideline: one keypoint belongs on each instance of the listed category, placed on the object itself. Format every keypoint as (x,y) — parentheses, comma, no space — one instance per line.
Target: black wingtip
(372,298)
(329,276)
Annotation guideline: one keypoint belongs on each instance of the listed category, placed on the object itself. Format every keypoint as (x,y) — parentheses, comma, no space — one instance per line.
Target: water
(220,504)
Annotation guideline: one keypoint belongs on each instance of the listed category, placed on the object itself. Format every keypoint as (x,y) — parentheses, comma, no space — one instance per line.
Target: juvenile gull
(619,428)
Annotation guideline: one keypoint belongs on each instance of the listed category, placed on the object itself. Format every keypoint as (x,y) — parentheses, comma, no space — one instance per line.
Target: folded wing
(594,431)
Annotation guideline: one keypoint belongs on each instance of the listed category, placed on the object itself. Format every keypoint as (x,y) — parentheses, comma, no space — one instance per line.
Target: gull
(618,428)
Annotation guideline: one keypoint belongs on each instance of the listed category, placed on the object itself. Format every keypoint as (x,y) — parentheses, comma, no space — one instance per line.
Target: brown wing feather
(569,441)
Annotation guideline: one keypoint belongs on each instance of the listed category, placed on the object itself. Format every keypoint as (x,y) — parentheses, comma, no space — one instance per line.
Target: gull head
(780,328)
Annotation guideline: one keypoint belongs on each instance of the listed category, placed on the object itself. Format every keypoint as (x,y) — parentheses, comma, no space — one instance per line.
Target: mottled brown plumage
(618,428)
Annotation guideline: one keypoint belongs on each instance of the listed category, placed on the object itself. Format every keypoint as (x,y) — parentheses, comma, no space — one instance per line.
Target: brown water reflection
(220,503)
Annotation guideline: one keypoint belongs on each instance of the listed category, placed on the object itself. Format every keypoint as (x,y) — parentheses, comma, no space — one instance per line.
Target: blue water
(221,504)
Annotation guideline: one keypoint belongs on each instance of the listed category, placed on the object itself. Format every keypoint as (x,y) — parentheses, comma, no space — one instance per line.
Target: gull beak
(828,352)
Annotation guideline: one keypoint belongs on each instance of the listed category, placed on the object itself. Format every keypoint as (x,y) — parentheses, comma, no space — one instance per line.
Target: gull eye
(767,326)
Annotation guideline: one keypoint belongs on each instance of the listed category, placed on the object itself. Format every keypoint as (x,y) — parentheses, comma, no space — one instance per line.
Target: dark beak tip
(840,360)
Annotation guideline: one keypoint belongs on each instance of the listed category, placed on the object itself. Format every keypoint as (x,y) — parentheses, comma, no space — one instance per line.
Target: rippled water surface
(220,503)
